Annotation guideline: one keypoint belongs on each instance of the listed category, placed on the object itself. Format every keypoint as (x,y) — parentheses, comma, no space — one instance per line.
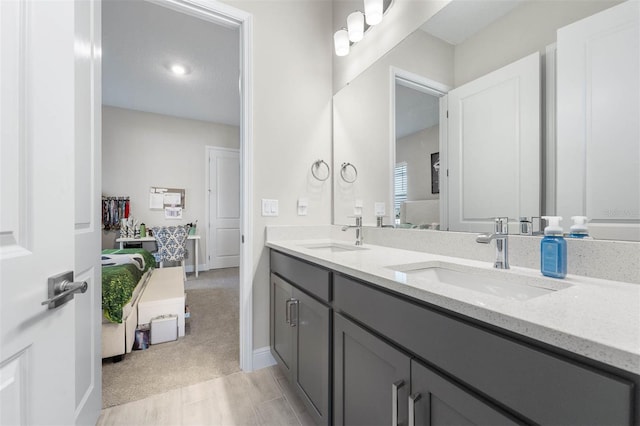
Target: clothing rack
(114,209)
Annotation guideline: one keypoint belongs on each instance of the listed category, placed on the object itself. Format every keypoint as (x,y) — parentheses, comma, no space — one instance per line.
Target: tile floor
(262,397)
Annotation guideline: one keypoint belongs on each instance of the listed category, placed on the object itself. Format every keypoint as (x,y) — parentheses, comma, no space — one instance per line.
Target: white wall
(527,29)
(292,42)
(416,150)
(141,149)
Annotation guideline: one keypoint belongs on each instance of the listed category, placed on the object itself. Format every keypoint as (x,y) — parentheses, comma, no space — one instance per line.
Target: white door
(493,156)
(49,86)
(598,145)
(223,242)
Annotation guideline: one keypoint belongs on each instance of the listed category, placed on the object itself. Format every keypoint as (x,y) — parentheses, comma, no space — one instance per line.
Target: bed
(125,274)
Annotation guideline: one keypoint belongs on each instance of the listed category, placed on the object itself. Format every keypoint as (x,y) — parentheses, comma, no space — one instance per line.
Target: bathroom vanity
(377,335)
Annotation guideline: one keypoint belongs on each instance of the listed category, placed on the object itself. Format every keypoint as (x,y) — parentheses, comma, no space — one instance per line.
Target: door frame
(230,17)
(430,87)
(209,149)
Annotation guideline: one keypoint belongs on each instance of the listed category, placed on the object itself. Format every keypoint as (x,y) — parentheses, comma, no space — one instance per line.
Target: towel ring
(343,171)
(315,167)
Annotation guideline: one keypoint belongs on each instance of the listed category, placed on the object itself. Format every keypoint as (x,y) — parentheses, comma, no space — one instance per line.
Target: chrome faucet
(501,235)
(358,227)
(380,223)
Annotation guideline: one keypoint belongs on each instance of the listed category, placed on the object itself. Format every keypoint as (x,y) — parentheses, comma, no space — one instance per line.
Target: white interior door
(598,145)
(48,371)
(493,156)
(223,242)
(87,217)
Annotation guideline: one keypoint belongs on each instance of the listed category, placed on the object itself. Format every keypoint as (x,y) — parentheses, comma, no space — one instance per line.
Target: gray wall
(416,150)
(141,149)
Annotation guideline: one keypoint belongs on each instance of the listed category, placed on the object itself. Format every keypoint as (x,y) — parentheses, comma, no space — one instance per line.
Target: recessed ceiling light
(179,69)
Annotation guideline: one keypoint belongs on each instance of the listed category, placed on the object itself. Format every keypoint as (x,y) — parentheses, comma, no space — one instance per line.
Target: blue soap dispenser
(553,249)
(579,227)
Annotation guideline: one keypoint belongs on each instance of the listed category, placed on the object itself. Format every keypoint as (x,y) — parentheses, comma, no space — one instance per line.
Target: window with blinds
(399,186)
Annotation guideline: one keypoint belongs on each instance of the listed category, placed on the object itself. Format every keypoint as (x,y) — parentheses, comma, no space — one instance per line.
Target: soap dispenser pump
(579,227)
(553,249)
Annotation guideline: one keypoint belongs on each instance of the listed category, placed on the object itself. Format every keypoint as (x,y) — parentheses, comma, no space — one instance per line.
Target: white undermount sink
(499,283)
(333,247)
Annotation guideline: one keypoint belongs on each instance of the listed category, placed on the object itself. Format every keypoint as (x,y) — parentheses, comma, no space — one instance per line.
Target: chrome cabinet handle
(287,312)
(61,289)
(294,302)
(394,401)
(412,408)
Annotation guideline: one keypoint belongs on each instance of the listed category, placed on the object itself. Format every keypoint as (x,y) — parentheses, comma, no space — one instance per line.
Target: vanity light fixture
(341,42)
(373,11)
(358,23)
(355,26)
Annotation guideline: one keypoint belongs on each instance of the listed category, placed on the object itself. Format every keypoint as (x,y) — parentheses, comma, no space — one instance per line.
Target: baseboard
(262,358)
(189,267)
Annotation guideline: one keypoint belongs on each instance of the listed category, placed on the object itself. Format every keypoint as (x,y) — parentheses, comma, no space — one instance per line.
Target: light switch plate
(303,206)
(269,207)
(379,208)
(357,208)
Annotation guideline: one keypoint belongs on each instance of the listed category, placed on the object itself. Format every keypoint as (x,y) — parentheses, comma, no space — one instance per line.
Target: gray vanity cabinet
(534,384)
(378,384)
(435,400)
(301,333)
(281,333)
(371,378)
(359,354)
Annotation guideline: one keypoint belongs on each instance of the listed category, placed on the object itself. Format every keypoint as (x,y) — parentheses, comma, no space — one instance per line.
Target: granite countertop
(596,318)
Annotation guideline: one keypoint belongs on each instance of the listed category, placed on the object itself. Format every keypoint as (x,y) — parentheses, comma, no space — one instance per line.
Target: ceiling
(140,40)
(460,19)
(415,111)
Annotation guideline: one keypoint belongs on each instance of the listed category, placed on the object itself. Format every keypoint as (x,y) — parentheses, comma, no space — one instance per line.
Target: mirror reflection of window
(399,188)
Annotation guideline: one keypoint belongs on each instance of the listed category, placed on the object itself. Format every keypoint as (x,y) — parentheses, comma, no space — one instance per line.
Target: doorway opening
(418,107)
(171,86)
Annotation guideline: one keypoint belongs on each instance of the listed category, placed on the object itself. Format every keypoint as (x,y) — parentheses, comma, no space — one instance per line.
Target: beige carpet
(208,350)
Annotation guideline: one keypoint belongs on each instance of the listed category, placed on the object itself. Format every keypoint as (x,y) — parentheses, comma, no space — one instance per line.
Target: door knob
(61,289)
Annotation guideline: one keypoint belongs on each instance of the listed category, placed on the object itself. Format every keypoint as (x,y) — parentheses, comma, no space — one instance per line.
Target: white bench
(164,295)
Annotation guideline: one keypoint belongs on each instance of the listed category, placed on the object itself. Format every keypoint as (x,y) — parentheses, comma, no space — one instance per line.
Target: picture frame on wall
(435,173)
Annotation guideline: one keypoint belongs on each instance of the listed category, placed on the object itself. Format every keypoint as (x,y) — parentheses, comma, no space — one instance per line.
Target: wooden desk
(194,238)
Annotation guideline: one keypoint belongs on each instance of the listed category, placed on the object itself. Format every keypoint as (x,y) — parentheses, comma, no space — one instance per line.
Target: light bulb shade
(355,26)
(373,11)
(341,42)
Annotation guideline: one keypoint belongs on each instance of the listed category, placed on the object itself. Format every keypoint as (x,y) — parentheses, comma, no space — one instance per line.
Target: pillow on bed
(149,260)
(123,259)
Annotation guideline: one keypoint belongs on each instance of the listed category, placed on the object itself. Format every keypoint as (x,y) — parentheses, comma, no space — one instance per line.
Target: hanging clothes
(113,210)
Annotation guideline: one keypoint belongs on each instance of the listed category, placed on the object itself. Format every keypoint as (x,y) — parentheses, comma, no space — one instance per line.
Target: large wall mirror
(496,68)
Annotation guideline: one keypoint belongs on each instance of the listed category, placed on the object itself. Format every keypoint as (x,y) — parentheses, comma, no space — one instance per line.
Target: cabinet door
(281,335)
(311,320)
(371,378)
(436,401)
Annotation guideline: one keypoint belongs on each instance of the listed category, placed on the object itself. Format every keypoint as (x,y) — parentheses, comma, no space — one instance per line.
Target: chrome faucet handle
(502,225)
